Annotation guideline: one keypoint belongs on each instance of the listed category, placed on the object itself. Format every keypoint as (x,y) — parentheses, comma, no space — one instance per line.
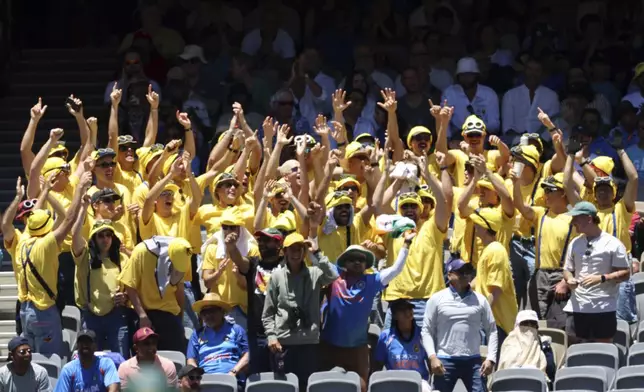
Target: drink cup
(518,168)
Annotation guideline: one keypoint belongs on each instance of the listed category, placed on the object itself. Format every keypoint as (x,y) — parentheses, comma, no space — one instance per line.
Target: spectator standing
(132,69)
(153,280)
(596,262)
(146,359)
(164,41)
(349,302)
(637,97)
(190,378)
(453,320)
(421,58)
(88,372)
(219,346)
(401,347)
(20,374)
(636,154)
(468,97)
(412,107)
(269,44)
(627,126)
(291,315)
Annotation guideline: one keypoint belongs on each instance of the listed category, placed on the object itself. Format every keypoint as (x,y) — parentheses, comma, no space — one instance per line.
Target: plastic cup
(518,168)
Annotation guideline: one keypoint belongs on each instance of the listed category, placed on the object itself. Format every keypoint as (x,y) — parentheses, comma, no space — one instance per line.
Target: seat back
(589,378)
(177,357)
(622,340)
(636,354)
(334,381)
(218,383)
(508,380)
(605,355)
(272,382)
(630,377)
(51,363)
(557,335)
(395,380)
(71,321)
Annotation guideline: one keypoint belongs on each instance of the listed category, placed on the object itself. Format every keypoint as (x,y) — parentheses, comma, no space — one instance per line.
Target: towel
(394,225)
(164,273)
(244,242)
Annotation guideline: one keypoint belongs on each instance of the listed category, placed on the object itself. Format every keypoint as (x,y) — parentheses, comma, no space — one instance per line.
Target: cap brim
(471,132)
(346,254)
(276,237)
(199,305)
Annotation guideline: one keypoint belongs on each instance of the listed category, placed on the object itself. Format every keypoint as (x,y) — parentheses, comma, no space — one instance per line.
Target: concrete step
(67,64)
(56,111)
(9,289)
(64,76)
(7,326)
(24,102)
(7,278)
(5,337)
(40,89)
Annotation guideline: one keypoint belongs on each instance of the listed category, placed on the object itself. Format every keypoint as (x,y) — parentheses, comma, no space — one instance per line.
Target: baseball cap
(400,304)
(603,163)
(103,152)
(54,163)
(180,253)
(488,218)
(583,208)
(455,264)
(17,342)
(105,194)
(86,333)
(292,239)
(354,149)
(186,370)
(143,334)
(467,65)
(418,130)
(270,232)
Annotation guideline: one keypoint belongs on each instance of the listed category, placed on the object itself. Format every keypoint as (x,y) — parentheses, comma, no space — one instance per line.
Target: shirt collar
(455,293)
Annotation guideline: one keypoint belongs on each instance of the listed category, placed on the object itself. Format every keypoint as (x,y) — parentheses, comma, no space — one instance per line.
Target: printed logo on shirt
(407,361)
(360,285)
(218,357)
(416,348)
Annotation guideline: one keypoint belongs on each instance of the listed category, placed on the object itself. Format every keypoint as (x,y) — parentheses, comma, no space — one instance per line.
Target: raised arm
(282,140)
(517,198)
(504,151)
(630,193)
(568,182)
(26,154)
(83,129)
(152,127)
(506,200)
(390,105)
(189,141)
(464,208)
(33,188)
(113,123)
(196,195)
(61,231)
(441,213)
(243,162)
(242,263)
(149,205)
(8,229)
(78,242)
(388,274)
(251,142)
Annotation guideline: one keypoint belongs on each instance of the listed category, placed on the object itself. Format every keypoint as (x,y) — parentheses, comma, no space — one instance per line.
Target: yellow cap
(40,223)
(528,154)
(180,252)
(54,163)
(59,147)
(147,155)
(486,183)
(418,130)
(364,136)
(553,181)
(224,177)
(473,124)
(231,218)
(285,222)
(639,70)
(488,218)
(101,225)
(292,239)
(171,186)
(424,192)
(410,198)
(347,180)
(605,164)
(354,148)
(168,163)
(337,198)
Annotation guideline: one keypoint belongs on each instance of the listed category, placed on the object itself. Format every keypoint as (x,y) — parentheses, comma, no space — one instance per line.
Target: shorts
(590,326)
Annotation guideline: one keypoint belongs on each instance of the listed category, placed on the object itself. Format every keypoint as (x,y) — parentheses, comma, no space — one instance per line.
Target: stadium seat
(52,363)
(587,378)
(630,377)
(71,320)
(188,333)
(509,380)
(543,324)
(272,382)
(605,355)
(640,327)
(395,380)
(177,357)
(559,344)
(218,383)
(636,354)
(628,390)
(67,347)
(334,381)
(53,381)
(622,340)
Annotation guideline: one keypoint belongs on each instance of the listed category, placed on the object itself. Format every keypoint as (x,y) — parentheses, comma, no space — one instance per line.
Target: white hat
(193,51)
(526,315)
(467,65)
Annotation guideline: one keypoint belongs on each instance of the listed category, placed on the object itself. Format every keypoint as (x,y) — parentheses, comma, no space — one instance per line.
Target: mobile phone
(69,101)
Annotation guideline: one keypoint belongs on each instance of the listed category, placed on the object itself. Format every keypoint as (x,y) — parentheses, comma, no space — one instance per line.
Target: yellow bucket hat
(40,223)
(59,147)
(294,238)
(147,155)
(54,163)
(180,253)
(285,222)
(347,180)
(168,163)
(473,124)
(425,192)
(527,154)
(361,138)
(354,149)
(410,198)
(101,225)
(555,181)
(488,218)
(486,183)
(231,218)
(419,130)
(337,198)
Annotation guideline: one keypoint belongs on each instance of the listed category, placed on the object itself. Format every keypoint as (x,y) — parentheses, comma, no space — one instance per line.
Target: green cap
(583,208)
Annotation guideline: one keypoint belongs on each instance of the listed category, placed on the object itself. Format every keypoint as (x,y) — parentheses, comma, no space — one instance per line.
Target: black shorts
(590,326)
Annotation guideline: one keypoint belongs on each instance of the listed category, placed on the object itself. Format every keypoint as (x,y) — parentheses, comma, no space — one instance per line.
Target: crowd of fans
(271,180)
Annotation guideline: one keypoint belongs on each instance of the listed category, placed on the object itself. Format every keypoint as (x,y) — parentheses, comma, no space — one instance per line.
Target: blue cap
(455,264)
(583,208)
(17,342)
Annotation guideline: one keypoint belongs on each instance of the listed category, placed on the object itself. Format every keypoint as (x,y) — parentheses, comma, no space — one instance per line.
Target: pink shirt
(130,368)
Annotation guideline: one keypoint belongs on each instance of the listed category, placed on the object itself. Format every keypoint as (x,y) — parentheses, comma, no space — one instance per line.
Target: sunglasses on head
(102,222)
(106,165)
(603,180)
(29,204)
(105,234)
(339,194)
(104,151)
(157,147)
(64,168)
(167,193)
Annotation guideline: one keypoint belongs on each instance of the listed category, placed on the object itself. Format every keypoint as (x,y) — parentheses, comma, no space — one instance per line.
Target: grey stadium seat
(71,320)
(508,380)
(218,383)
(395,380)
(334,381)
(636,354)
(52,363)
(605,355)
(588,378)
(53,381)
(628,390)
(630,377)
(622,340)
(640,327)
(272,382)
(177,357)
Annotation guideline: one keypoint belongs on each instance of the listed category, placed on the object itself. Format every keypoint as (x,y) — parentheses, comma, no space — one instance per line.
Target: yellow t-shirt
(140,193)
(128,178)
(227,285)
(44,256)
(139,274)
(176,225)
(103,282)
(471,245)
(209,216)
(18,237)
(494,271)
(126,200)
(553,235)
(422,275)
(458,169)
(65,199)
(335,243)
(621,219)
(533,196)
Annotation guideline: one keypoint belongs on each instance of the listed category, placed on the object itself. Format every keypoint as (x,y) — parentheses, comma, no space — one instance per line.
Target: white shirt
(485,105)
(439,78)
(310,105)
(606,253)
(452,325)
(519,114)
(283,44)
(635,98)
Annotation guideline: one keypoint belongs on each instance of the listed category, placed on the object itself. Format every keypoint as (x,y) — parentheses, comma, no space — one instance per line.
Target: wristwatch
(233,371)
(603,278)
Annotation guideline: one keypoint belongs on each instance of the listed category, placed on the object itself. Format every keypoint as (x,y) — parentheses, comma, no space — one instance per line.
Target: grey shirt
(35,380)
(292,307)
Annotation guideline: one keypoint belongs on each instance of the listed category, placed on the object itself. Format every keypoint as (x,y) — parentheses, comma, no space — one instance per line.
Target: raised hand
(249,142)
(20,189)
(92,123)
(434,110)
(440,158)
(390,104)
(115,95)
(300,146)
(177,167)
(239,113)
(339,101)
(172,146)
(339,132)
(153,98)
(282,135)
(315,213)
(86,181)
(269,129)
(545,119)
(494,140)
(409,235)
(231,239)
(184,120)
(446,112)
(55,134)
(38,110)
(71,109)
(321,126)
(268,189)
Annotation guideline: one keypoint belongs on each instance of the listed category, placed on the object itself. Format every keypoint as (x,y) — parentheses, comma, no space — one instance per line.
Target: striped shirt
(452,325)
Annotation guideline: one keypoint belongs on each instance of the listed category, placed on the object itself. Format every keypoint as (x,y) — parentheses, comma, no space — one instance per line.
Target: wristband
(188,129)
(342,144)
(551,130)
(603,278)
(408,242)
(584,162)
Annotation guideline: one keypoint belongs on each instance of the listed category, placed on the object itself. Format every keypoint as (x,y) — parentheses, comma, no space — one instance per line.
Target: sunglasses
(194,378)
(59,154)
(106,165)
(126,147)
(339,194)
(29,204)
(167,194)
(422,138)
(210,310)
(228,227)
(157,147)
(105,234)
(24,351)
(227,185)
(357,260)
(550,190)
(350,188)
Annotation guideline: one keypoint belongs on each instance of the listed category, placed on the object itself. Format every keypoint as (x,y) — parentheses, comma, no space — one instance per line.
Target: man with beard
(88,372)
(190,378)
(147,366)
(257,271)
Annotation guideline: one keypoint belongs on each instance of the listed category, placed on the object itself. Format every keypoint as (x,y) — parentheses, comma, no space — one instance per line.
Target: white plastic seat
(636,354)
(605,355)
(272,382)
(395,380)
(218,383)
(630,377)
(509,380)
(334,381)
(587,378)
(177,357)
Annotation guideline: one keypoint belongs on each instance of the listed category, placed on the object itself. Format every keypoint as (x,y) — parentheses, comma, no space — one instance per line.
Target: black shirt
(257,279)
